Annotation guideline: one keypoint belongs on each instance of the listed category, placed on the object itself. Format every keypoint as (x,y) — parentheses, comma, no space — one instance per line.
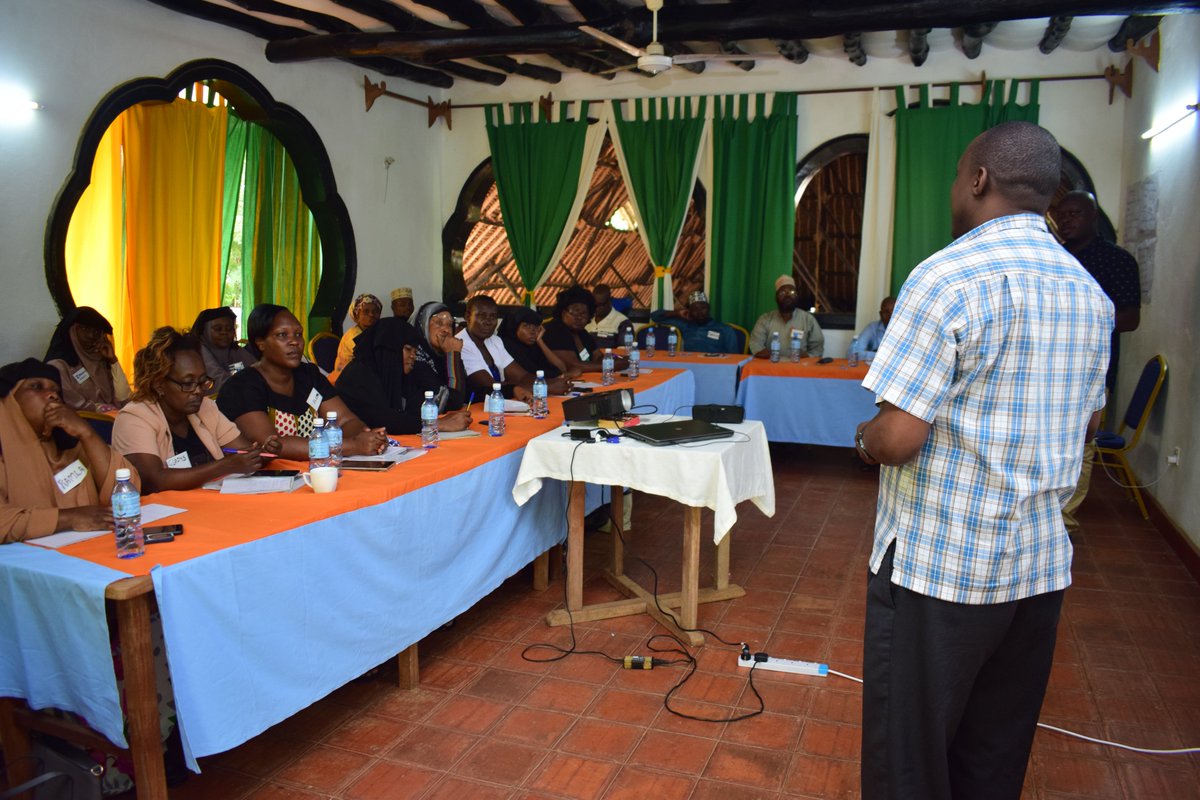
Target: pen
(235,452)
(470,399)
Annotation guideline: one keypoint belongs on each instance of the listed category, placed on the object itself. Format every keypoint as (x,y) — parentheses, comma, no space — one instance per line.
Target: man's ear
(980,182)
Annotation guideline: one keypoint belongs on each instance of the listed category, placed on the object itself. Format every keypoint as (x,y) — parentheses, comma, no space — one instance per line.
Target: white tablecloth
(716,475)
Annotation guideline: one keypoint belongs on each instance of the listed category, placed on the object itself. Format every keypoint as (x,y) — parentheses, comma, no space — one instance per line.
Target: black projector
(602,405)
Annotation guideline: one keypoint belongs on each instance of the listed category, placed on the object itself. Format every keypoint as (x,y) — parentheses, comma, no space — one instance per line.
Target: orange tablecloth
(214,521)
(806,368)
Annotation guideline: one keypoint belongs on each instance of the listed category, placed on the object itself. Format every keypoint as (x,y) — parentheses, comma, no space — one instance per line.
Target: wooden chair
(743,338)
(322,350)
(1111,448)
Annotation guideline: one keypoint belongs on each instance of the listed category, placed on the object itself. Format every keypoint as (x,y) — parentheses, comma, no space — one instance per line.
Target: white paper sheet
(151,512)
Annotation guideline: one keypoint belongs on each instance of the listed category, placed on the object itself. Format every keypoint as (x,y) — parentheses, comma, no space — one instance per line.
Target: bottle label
(539,390)
(318,448)
(70,476)
(429,412)
(126,504)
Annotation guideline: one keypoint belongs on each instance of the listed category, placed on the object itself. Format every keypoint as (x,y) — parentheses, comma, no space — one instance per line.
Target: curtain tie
(527,298)
(661,272)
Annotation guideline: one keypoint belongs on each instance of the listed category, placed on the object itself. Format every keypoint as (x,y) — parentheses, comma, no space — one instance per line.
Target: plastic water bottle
(651,336)
(127,517)
(429,422)
(635,362)
(333,435)
(775,347)
(628,340)
(797,345)
(606,365)
(541,402)
(496,411)
(852,356)
(318,446)
(672,343)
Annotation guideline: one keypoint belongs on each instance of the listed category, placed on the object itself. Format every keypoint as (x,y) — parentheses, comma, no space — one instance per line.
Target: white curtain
(875,258)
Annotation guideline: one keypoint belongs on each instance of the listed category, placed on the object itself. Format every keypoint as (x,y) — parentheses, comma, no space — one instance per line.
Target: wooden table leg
(721,563)
(616,508)
(409,672)
(541,572)
(16,746)
(575,505)
(141,697)
(691,568)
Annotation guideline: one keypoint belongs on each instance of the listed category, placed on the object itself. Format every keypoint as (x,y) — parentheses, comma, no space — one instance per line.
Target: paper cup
(322,479)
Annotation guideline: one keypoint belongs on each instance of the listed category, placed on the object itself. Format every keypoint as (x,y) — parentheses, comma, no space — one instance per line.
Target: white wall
(1168,323)
(70,53)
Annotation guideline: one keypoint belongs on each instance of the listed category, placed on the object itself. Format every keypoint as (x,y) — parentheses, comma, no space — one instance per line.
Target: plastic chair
(743,338)
(660,330)
(322,350)
(101,423)
(1112,447)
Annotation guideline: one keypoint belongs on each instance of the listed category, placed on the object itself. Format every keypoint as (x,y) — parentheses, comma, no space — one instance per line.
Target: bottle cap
(429,395)
(495,387)
(318,423)
(608,350)
(331,416)
(122,474)
(541,373)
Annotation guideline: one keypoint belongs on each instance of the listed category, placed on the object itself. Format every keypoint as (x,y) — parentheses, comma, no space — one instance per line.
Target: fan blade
(608,39)
(687,58)
(615,70)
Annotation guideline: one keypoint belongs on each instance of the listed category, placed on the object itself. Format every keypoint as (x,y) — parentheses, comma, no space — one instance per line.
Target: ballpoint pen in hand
(233,451)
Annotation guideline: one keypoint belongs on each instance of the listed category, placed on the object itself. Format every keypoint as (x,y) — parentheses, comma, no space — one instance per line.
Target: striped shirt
(1000,342)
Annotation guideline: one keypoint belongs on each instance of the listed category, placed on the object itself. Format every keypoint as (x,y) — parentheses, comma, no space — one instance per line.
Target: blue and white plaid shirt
(1000,342)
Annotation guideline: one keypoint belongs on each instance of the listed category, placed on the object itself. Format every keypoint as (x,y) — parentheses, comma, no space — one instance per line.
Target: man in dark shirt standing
(1077,218)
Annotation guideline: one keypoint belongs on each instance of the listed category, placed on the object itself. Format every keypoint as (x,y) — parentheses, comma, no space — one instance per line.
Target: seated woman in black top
(567,337)
(281,394)
(522,334)
(375,383)
(439,365)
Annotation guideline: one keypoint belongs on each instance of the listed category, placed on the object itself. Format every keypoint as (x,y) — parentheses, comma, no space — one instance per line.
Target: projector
(603,405)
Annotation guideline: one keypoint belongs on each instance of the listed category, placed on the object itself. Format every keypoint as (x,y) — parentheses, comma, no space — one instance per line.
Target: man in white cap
(701,333)
(402,303)
(786,318)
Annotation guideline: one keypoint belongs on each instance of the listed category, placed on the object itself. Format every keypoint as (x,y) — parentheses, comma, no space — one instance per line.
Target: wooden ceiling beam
(1056,30)
(792,49)
(973,36)
(918,45)
(853,47)
(1132,30)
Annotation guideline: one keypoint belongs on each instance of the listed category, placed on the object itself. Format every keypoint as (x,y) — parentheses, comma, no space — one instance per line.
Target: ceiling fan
(653,59)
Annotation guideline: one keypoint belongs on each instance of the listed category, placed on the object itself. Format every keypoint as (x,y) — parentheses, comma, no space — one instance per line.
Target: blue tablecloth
(716,380)
(807,410)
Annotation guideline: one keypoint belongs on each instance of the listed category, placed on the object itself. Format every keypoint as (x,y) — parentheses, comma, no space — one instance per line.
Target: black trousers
(951,692)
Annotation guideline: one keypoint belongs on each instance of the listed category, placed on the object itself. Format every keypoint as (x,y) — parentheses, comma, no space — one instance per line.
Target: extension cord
(764,661)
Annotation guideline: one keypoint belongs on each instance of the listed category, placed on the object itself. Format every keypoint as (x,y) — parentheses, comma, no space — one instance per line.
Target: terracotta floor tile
(835,706)
(600,739)
(533,726)
(323,768)
(369,734)
(412,705)
(501,685)
(263,755)
(277,791)
(574,777)
(780,731)
(753,766)
(495,761)
(673,751)
(636,783)
(817,776)
(468,714)
(835,740)
(215,782)
(560,695)
(435,748)
(447,674)
(717,790)
(1085,777)
(621,705)
(458,789)
(387,780)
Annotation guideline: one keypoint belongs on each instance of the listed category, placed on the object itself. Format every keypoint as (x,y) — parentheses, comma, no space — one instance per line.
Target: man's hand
(522,394)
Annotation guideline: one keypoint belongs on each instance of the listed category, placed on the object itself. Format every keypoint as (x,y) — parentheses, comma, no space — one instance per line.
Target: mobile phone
(160,534)
(275,473)
(367,465)
(713,355)
(826,360)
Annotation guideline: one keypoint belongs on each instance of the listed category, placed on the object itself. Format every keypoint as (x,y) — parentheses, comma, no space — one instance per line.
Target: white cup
(322,479)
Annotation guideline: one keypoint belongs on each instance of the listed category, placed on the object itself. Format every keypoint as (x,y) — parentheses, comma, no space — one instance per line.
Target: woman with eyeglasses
(439,365)
(567,337)
(171,432)
(282,394)
(216,329)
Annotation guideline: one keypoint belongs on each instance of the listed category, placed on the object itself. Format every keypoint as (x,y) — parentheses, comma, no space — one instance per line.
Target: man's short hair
(481,300)
(1023,159)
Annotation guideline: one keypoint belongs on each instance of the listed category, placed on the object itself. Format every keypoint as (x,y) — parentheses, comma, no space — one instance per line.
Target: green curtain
(281,251)
(659,151)
(235,164)
(929,141)
(752,233)
(536,164)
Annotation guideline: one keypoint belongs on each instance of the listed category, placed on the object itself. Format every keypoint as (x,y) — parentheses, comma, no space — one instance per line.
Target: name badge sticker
(70,476)
(81,375)
(714,334)
(179,461)
(583,354)
(314,399)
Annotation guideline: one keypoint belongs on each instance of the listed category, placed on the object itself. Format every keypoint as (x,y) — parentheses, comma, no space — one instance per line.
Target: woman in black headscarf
(375,383)
(216,328)
(521,333)
(81,349)
(439,365)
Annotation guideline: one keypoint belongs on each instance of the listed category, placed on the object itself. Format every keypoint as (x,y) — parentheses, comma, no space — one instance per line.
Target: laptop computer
(677,432)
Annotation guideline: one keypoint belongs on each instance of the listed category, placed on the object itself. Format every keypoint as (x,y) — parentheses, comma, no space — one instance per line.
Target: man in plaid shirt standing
(989,380)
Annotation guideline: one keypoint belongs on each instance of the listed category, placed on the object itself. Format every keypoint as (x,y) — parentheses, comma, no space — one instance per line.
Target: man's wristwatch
(858,442)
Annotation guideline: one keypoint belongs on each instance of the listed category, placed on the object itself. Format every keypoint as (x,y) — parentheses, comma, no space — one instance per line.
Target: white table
(716,475)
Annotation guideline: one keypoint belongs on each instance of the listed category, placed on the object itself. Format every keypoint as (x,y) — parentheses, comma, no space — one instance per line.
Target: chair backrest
(1142,402)
(101,423)
(743,338)
(659,330)
(322,350)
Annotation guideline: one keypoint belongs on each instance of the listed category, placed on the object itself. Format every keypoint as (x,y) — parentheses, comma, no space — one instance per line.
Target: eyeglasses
(187,387)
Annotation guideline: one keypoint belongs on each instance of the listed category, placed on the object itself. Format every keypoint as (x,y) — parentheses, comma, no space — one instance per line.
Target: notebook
(677,432)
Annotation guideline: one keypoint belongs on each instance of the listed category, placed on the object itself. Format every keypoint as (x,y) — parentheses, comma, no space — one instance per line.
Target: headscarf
(426,353)
(440,373)
(529,356)
(363,299)
(381,350)
(10,374)
(208,315)
(63,344)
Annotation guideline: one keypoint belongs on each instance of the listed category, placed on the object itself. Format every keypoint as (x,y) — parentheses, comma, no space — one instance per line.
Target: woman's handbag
(67,773)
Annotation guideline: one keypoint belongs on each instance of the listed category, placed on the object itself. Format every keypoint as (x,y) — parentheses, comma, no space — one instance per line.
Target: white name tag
(71,476)
(179,461)
(583,354)
(714,334)
(80,375)
(314,400)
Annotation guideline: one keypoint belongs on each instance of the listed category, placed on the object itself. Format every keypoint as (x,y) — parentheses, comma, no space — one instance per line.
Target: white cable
(1147,750)
(1113,478)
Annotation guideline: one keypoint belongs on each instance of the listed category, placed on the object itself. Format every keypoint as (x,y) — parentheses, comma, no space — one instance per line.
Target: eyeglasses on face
(187,387)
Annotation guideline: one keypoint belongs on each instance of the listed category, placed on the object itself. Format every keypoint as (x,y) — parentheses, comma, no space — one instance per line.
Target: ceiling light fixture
(1157,129)
(16,104)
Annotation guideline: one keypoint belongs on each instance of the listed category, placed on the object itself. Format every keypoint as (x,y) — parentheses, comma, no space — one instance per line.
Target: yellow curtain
(174,187)
(96,242)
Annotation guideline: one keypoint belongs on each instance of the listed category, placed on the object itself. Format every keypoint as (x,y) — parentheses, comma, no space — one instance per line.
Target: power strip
(763,661)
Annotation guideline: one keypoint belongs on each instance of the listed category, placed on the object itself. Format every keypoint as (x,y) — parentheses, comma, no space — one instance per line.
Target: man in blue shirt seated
(701,333)
(872,335)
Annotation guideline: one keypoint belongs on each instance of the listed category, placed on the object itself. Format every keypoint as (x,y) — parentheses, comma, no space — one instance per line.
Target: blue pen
(470,399)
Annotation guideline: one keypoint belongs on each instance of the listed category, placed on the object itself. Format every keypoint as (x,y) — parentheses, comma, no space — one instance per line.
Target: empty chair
(1112,447)
(322,350)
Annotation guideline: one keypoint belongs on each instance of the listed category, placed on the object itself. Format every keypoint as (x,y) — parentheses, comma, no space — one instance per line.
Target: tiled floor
(487,724)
